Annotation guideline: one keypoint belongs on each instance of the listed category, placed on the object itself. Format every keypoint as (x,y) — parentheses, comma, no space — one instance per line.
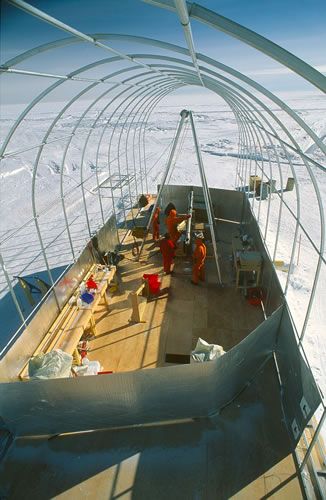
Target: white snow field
(218,134)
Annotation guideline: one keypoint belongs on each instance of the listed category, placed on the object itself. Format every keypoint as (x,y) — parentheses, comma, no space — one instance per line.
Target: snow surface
(218,135)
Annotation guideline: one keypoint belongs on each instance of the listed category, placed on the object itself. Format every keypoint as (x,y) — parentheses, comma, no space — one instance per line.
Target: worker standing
(172,222)
(199,256)
(167,248)
(156,224)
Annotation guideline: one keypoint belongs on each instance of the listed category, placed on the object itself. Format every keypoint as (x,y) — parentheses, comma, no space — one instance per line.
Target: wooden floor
(176,318)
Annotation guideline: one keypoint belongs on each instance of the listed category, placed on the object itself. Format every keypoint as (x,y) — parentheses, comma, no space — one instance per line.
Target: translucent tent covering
(86,129)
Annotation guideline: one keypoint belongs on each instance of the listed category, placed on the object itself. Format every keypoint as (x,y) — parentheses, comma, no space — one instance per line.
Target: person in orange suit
(167,248)
(199,256)
(172,222)
(156,224)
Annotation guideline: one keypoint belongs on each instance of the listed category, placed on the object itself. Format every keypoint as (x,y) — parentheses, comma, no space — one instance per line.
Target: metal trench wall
(136,90)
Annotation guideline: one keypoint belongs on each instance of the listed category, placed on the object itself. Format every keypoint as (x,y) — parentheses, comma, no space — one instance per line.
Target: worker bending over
(172,222)
(167,248)
(199,256)
(156,224)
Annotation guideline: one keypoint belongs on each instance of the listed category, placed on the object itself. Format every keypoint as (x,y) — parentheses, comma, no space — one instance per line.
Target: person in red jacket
(199,256)
(167,248)
(172,222)
(156,224)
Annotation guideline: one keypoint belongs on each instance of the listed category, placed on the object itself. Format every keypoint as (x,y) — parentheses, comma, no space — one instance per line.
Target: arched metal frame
(140,95)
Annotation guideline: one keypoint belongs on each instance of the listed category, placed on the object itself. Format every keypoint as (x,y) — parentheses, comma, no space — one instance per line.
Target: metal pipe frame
(250,122)
(146,97)
(182,11)
(244,175)
(143,120)
(314,182)
(240,99)
(32,104)
(111,139)
(308,311)
(154,98)
(78,34)
(251,38)
(177,49)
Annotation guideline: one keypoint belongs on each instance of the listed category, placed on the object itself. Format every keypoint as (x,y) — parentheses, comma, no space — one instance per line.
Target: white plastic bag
(205,352)
(54,364)
(93,367)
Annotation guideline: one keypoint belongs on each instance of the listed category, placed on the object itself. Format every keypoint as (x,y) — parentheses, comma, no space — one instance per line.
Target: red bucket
(255,296)
(154,284)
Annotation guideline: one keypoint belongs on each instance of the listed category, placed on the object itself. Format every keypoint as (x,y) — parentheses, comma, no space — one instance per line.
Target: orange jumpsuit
(171,223)
(199,256)
(156,224)
(167,248)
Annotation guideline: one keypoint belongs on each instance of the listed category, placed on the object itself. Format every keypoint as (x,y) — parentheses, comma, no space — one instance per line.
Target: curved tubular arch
(234,73)
(297,147)
(181,50)
(112,75)
(260,43)
(249,37)
(94,64)
(32,104)
(251,83)
(150,97)
(61,178)
(104,109)
(257,132)
(146,113)
(320,251)
(21,4)
(137,91)
(322,238)
(123,111)
(201,14)
(270,170)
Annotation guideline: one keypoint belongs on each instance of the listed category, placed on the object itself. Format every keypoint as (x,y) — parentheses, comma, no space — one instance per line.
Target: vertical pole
(299,248)
(206,196)
(313,441)
(184,114)
(12,292)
